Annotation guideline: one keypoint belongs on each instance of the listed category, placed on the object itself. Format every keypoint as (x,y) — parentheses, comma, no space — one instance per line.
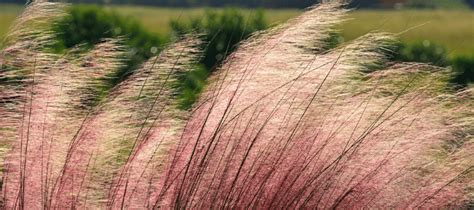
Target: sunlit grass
(280,124)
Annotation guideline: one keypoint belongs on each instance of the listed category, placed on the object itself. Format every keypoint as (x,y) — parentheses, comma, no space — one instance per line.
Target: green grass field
(8,14)
(452,28)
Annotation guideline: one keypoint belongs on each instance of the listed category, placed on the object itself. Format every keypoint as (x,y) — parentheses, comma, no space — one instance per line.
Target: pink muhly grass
(283,123)
(72,146)
(142,120)
(280,126)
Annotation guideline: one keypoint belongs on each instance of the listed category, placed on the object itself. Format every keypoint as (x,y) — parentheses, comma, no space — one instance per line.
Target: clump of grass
(64,142)
(285,122)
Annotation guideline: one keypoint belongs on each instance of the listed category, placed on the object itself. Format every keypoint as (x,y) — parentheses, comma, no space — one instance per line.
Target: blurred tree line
(277,3)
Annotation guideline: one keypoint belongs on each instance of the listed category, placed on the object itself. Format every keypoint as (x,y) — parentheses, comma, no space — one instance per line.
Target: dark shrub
(222,30)
(427,52)
(463,67)
(334,40)
(190,86)
(90,24)
(424,52)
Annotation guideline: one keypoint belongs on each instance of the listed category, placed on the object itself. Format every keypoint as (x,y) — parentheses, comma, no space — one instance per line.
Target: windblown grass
(283,123)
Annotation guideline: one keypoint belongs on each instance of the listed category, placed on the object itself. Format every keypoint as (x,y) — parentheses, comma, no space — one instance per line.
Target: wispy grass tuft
(283,123)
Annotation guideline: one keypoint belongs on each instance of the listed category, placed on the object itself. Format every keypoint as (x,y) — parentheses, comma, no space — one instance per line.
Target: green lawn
(451,28)
(8,14)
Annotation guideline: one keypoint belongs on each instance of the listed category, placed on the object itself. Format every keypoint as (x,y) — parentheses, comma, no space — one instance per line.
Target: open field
(7,16)
(452,28)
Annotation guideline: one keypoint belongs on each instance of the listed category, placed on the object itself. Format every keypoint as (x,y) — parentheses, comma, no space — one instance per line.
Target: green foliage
(89,25)
(334,40)
(191,85)
(222,30)
(463,67)
(427,52)
(424,52)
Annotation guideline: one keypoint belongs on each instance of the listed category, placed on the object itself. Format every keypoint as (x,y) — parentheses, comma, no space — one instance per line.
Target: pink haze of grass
(283,123)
